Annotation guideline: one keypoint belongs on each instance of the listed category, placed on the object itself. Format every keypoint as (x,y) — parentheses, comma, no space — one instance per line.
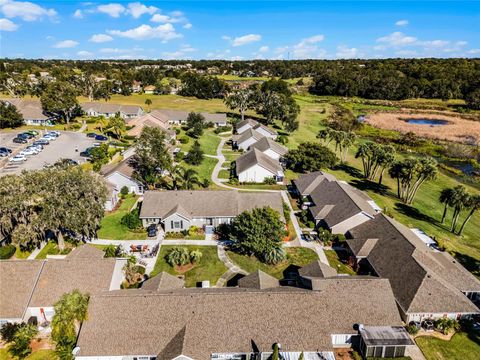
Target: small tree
(275,255)
(8,331)
(99,156)
(9,116)
(310,157)
(195,256)
(124,191)
(178,256)
(148,102)
(195,155)
(117,124)
(20,344)
(132,220)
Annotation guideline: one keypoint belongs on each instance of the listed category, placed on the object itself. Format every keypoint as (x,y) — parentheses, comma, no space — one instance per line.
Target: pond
(431,122)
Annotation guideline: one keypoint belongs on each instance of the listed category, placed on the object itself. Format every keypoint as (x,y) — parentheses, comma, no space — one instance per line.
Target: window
(389,351)
(177,224)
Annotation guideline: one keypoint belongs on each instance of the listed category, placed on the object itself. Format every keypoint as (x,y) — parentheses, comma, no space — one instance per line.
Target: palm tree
(472,203)
(275,255)
(445,198)
(148,102)
(459,199)
(176,176)
(190,179)
(428,170)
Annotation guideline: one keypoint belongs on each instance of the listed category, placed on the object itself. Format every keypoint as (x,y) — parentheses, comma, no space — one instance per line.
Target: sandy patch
(457,129)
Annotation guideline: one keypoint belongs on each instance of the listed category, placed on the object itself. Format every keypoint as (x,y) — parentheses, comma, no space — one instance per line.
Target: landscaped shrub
(412,329)
(7,251)
(8,331)
(177,131)
(178,256)
(270,181)
(184,140)
(179,156)
(195,256)
(132,220)
(275,255)
(174,235)
(222,129)
(445,325)
(124,191)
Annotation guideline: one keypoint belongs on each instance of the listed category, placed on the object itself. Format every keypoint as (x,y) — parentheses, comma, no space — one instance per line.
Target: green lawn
(209,268)
(37,355)
(335,263)
(208,142)
(224,174)
(112,229)
(205,169)
(462,346)
(19,254)
(52,249)
(295,256)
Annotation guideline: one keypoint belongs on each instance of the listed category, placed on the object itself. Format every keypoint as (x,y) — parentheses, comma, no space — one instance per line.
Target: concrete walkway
(190,242)
(124,243)
(414,352)
(232,268)
(35,252)
(83,128)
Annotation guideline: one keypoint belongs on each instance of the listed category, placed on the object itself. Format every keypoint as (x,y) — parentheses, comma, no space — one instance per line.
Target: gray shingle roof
(17,281)
(267,143)
(423,281)
(199,322)
(86,251)
(109,108)
(306,183)
(123,167)
(163,281)
(210,203)
(29,108)
(265,128)
(258,280)
(250,122)
(342,201)
(317,269)
(247,134)
(256,157)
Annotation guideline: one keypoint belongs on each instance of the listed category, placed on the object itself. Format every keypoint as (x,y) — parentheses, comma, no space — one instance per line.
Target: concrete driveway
(62,148)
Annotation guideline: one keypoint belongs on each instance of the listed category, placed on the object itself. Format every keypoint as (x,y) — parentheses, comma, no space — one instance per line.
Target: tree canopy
(310,157)
(9,116)
(60,99)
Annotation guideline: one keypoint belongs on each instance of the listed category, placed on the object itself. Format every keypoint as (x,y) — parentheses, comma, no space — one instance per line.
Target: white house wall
(266,133)
(120,180)
(117,276)
(256,174)
(243,128)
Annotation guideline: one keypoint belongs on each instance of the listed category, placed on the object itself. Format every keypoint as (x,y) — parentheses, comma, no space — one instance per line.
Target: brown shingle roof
(317,269)
(29,108)
(123,167)
(423,281)
(86,251)
(153,119)
(199,322)
(265,128)
(17,281)
(109,108)
(247,134)
(256,157)
(251,122)
(258,280)
(163,281)
(267,143)
(201,203)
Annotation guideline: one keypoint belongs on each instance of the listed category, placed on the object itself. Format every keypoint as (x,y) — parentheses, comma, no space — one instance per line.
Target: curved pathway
(232,268)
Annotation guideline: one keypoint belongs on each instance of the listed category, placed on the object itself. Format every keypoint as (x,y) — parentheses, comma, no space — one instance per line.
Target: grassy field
(462,346)
(52,249)
(209,267)
(111,228)
(205,169)
(37,355)
(295,256)
(335,263)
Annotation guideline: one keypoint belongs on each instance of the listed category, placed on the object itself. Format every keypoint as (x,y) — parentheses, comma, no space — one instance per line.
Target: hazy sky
(239,29)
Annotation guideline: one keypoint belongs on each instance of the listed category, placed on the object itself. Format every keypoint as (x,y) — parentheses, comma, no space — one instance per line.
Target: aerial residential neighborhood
(269,180)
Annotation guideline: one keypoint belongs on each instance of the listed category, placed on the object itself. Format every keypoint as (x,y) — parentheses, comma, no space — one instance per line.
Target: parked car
(101,138)
(3,154)
(5,149)
(152,230)
(26,135)
(28,152)
(96,144)
(41,142)
(20,140)
(49,137)
(86,152)
(55,133)
(18,158)
(91,135)
(32,132)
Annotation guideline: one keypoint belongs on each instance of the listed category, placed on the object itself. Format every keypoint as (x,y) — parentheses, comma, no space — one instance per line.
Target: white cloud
(344,52)
(187,26)
(180,53)
(100,38)
(164,32)
(137,9)
(307,47)
(119,51)
(25,10)
(401,23)
(264,49)
(397,39)
(113,10)
(85,54)
(160,18)
(78,14)
(65,44)
(406,53)
(7,25)
(473,51)
(173,17)
(243,40)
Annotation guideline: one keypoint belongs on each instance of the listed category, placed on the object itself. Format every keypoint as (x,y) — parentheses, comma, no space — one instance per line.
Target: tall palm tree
(446,197)
(459,199)
(176,176)
(190,179)
(472,203)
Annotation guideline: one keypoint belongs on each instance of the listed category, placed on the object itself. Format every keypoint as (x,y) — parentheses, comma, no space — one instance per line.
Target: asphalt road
(62,148)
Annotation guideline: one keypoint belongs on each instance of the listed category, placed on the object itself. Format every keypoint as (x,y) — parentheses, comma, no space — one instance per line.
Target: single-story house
(270,147)
(110,110)
(152,119)
(337,205)
(149,89)
(246,139)
(179,210)
(427,284)
(136,86)
(120,175)
(306,183)
(244,125)
(179,117)
(237,322)
(255,166)
(34,286)
(32,112)
(266,131)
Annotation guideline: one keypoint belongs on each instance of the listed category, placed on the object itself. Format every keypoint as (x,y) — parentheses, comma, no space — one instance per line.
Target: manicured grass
(208,142)
(224,174)
(209,267)
(52,249)
(19,254)
(335,263)
(462,346)
(37,355)
(205,169)
(295,256)
(112,229)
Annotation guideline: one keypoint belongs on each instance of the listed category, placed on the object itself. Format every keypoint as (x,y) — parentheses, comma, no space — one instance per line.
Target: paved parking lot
(62,148)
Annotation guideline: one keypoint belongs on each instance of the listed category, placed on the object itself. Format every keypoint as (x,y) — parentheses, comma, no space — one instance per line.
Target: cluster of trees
(202,86)
(272,99)
(260,233)
(459,199)
(18,337)
(56,201)
(195,124)
(343,140)
(9,116)
(376,158)
(309,157)
(180,256)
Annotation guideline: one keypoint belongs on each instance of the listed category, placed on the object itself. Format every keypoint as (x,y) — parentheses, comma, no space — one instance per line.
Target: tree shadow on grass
(414,213)
(365,185)
(470,263)
(350,170)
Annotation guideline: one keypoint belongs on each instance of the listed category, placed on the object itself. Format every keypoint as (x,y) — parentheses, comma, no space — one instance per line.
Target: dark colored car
(41,142)
(6,150)
(86,153)
(20,140)
(26,135)
(101,138)
(152,230)
(92,135)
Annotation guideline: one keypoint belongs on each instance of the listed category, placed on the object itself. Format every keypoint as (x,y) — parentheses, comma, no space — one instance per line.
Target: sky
(239,30)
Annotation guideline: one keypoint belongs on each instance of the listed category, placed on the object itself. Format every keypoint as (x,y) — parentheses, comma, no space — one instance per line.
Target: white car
(55,133)
(49,137)
(35,150)
(18,158)
(27,152)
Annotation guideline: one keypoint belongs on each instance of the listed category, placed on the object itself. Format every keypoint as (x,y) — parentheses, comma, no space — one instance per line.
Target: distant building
(110,110)
(120,175)
(32,112)
(149,90)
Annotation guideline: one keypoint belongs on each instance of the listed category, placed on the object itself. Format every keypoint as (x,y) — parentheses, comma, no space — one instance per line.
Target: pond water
(431,122)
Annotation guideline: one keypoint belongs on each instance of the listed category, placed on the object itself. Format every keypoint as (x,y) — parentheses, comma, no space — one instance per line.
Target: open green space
(111,227)
(21,254)
(204,170)
(337,264)
(298,256)
(462,346)
(208,268)
(52,249)
(37,355)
